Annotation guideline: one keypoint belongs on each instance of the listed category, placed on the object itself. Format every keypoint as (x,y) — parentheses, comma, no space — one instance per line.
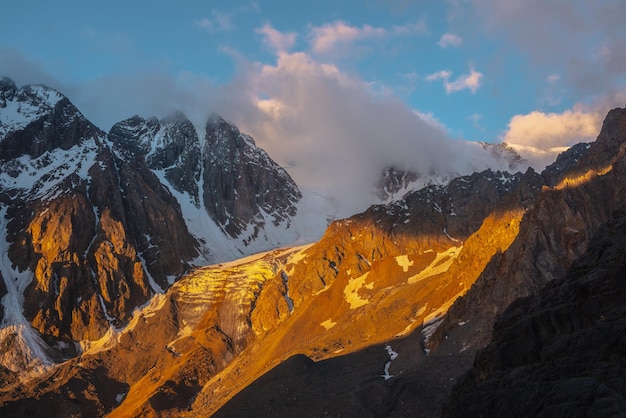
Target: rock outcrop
(38,119)
(171,145)
(222,171)
(560,352)
(555,231)
(91,232)
(243,187)
(97,224)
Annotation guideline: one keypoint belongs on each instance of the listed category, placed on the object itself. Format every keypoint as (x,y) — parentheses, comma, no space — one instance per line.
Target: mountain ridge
(93,231)
(104,274)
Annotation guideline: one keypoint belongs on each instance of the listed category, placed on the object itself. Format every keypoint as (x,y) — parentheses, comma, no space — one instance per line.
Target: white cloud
(439,75)
(278,41)
(469,82)
(325,38)
(430,119)
(218,22)
(328,37)
(449,39)
(540,137)
(335,133)
(553,78)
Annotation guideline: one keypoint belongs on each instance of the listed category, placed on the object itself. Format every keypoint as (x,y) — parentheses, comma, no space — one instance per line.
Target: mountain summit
(97,224)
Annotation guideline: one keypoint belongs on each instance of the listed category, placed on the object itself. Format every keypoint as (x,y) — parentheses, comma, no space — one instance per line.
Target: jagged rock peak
(170,144)
(36,118)
(565,160)
(241,181)
(596,157)
(33,94)
(220,132)
(152,136)
(135,131)
(7,90)
(505,151)
(611,139)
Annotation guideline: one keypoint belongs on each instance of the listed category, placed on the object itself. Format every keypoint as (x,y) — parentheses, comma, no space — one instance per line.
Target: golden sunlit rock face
(365,301)
(372,278)
(556,231)
(58,237)
(90,247)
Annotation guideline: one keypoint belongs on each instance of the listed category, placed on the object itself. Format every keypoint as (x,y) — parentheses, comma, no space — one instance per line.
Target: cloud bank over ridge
(304,100)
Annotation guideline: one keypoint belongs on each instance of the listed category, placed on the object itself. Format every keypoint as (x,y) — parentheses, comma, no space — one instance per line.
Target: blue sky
(304,78)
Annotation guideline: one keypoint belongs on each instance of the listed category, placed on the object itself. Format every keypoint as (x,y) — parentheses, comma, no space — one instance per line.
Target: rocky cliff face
(554,232)
(378,275)
(96,224)
(221,172)
(90,231)
(561,351)
(243,188)
(394,182)
(171,146)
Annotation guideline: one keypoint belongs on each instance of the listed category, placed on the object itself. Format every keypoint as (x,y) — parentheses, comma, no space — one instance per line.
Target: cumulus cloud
(278,41)
(326,38)
(547,130)
(540,137)
(218,22)
(469,81)
(449,39)
(334,133)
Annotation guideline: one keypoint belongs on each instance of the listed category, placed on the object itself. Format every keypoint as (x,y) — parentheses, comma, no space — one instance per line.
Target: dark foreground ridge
(561,352)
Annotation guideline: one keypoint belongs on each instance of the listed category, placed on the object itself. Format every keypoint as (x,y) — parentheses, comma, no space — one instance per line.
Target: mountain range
(169,269)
